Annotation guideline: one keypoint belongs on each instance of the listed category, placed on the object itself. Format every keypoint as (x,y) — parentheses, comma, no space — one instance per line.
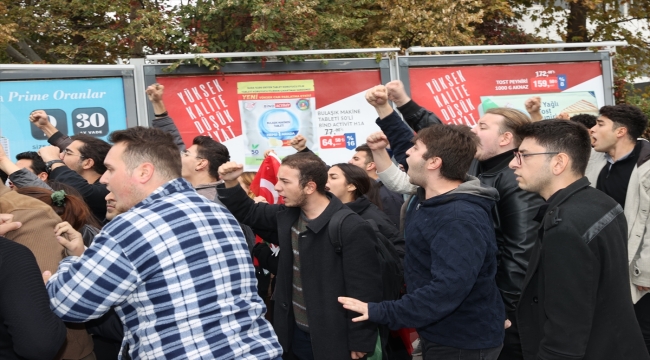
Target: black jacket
(370,211)
(576,301)
(325,274)
(513,215)
(514,227)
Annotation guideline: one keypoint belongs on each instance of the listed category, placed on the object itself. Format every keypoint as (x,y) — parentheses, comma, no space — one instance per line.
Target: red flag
(264,182)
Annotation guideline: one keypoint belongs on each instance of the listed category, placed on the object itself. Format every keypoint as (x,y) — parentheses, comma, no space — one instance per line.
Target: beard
(299,202)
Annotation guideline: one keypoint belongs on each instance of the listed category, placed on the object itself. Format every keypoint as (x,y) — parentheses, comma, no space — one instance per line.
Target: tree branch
(16,55)
(27,50)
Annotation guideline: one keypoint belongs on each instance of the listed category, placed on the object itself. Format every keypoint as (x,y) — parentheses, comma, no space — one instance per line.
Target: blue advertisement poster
(79,106)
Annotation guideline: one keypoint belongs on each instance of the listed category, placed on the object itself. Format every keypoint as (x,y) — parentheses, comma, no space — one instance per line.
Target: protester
(390,202)
(311,274)
(37,234)
(514,227)
(29,329)
(587,120)
(353,187)
(450,263)
(76,161)
(575,301)
(619,167)
(157,258)
(69,207)
(31,161)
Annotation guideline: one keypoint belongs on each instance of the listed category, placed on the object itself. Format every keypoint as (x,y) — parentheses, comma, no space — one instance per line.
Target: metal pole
(63,67)
(420,49)
(269,53)
(140,97)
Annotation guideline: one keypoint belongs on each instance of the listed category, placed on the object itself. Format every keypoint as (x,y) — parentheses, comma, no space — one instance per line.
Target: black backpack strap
(334,228)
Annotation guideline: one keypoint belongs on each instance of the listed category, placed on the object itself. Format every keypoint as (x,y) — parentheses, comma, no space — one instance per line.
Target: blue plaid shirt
(178,271)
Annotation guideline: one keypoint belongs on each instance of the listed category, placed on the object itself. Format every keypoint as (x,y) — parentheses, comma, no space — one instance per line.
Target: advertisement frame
(152,71)
(419,61)
(9,72)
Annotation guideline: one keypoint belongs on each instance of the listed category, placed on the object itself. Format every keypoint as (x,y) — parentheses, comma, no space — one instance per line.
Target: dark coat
(576,302)
(513,214)
(325,274)
(514,228)
(370,211)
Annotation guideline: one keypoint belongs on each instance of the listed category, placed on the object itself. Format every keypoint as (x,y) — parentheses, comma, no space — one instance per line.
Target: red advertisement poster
(251,113)
(460,94)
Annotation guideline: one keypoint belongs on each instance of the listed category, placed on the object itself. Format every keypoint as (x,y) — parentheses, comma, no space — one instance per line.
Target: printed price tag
(544,83)
(332,142)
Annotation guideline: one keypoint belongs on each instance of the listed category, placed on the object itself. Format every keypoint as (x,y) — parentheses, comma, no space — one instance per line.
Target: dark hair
(311,168)
(628,116)
(38,166)
(93,148)
(3,176)
(587,120)
(149,145)
(512,120)
(74,209)
(215,152)
(454,144)
(365,148)
(562,136)
(362,182)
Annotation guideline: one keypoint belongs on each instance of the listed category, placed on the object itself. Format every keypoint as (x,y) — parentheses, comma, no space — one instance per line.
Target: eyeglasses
(519,155)
(188,153)
(70,153)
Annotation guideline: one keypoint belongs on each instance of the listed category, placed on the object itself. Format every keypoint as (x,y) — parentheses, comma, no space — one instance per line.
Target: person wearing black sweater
(28,328)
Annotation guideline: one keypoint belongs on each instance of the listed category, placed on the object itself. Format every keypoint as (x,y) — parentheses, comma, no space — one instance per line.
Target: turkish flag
(264,185)
(264,182)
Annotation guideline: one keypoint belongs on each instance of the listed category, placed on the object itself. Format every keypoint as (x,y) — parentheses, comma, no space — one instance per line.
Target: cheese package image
(273,113)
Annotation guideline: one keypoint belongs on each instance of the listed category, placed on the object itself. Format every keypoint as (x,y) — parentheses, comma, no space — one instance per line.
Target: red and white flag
(264,182)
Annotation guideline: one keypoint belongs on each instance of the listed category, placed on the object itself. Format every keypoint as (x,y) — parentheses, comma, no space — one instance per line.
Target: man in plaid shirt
(174,265)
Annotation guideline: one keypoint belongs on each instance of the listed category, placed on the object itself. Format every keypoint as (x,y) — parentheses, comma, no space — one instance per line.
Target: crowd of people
(516,239)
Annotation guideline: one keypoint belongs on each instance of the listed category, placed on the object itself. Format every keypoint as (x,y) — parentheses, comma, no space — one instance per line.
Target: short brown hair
(454,144)
(366,149)
(311,168)
(149,145)
(513,119)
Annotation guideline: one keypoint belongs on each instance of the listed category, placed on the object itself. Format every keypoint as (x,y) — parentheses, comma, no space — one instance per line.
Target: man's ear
(371,166)
(43,176)
(87,164)
(203,163)
(620,131)
(310,188)
(560,163)
(434,163)
(506,138)
(144,172)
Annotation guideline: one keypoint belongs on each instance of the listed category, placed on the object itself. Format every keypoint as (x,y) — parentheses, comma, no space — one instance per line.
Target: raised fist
(397,93)
(299,143)
(155,92)
(533,104)
(377,96)
(377,141)
(39,118)
(230,171)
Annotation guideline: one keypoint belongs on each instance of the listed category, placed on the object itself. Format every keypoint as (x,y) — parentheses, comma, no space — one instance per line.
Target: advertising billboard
(252,113)
(461,94)
(75,106)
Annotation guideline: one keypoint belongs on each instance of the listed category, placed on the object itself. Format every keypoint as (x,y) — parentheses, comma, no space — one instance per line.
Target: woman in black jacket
(354,188)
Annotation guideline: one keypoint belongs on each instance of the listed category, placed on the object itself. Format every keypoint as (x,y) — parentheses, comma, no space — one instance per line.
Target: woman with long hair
(69,207)
(354,188)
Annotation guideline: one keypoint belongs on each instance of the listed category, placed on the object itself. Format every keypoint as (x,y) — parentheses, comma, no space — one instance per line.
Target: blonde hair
(513,119)
(247,178)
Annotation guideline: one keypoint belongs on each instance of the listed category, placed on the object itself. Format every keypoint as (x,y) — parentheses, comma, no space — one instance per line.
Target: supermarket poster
(460,95)
(78,106)
(252,113)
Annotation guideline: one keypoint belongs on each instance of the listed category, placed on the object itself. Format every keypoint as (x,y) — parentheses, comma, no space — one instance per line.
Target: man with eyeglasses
(77,161)
(575,301)
(513,214)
